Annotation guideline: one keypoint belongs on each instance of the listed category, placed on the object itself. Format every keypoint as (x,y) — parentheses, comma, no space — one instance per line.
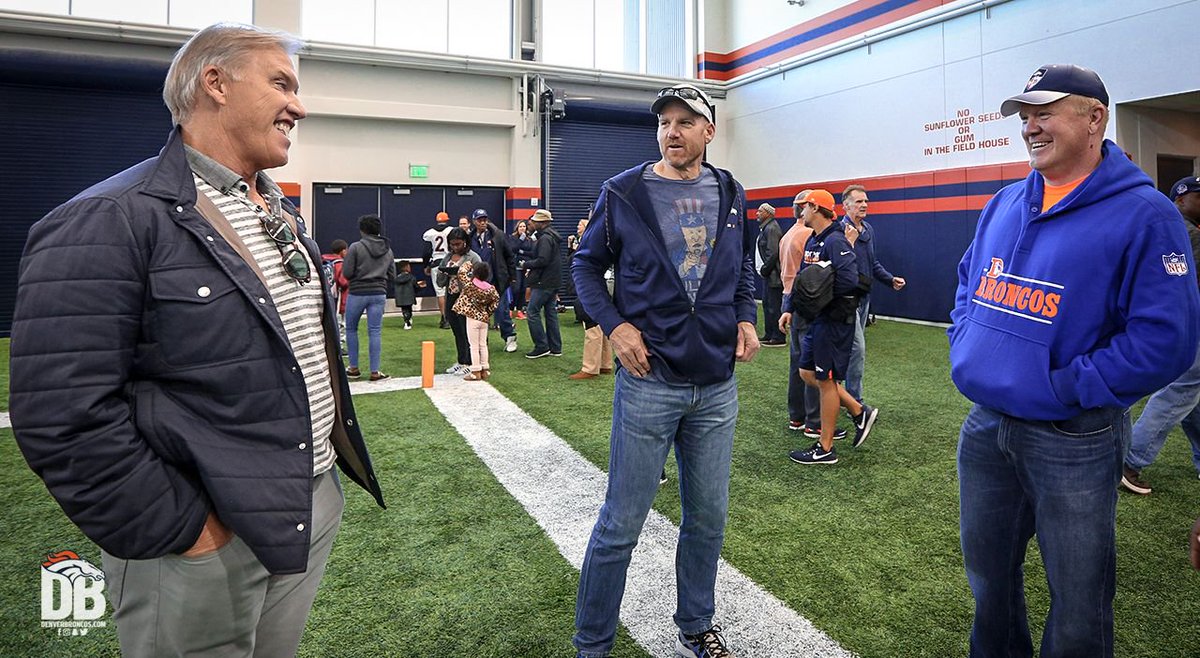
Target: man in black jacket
(769,235)
(545,275)
(490,243)
(175,376)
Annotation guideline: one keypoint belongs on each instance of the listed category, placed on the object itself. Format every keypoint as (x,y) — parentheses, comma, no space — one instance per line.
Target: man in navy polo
(854,200)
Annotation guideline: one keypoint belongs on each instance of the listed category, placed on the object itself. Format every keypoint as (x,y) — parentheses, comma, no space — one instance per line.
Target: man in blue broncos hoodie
(681,313)
(1074,300)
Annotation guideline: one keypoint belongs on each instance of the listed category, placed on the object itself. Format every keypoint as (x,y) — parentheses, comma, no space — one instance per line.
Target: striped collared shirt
(299,306)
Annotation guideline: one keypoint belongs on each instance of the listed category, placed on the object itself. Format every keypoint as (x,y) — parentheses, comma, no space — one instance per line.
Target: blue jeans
(858,351)
(502,317)
(548,338)
(373,305)
(1174,404)
(1057,480)
(803,401)
(648,417)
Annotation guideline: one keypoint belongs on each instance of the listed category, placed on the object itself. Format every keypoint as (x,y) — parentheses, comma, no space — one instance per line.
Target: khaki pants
(597,351)
(477,335)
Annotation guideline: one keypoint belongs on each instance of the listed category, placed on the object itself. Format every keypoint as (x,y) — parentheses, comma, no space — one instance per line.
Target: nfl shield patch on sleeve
(1175,264)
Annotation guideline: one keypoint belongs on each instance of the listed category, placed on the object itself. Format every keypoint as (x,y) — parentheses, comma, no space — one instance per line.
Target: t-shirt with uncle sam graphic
(687,216)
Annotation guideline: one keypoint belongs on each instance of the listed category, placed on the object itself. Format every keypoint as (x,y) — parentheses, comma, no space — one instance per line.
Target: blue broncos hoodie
(1091,304)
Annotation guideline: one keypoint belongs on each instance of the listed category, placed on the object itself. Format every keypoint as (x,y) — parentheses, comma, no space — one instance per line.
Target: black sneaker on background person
(863,423)
(662,479)
(1131,479)
(815,432)
(709,644)
(814,455)
(774,342)
(534,354)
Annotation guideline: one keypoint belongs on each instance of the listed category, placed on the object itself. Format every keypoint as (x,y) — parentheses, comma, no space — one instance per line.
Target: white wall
(366,124)
(734,24)
(1148,132)
(864,113)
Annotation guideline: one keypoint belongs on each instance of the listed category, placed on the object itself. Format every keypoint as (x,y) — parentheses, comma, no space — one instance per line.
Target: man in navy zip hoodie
(682,312)
(1075,299)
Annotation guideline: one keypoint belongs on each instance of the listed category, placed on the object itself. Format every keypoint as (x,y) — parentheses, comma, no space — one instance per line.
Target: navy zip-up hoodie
(831,245)
(688,343)
(1089,305)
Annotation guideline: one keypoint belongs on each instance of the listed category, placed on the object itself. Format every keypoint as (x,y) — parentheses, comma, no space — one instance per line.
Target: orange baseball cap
(821,198)
(443,217)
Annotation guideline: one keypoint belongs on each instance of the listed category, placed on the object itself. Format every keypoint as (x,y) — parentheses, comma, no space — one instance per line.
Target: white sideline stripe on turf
(364,385)
(562,491)
(356,388)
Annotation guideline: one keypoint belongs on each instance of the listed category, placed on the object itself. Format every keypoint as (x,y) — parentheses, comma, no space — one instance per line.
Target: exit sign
(418,171)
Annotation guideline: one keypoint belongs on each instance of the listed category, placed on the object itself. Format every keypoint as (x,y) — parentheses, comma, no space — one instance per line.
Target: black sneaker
(863,423)
(814,455)
(815,432)
(536,354)
(555,353)
(708,644)
(662,479)
(1132,480)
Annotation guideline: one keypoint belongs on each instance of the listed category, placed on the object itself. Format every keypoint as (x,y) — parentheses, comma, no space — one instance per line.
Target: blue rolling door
(69,122)
(407,211)
(336,209)
(593,143)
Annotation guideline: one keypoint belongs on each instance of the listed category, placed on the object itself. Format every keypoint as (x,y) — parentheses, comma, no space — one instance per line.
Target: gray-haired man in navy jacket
(175,376)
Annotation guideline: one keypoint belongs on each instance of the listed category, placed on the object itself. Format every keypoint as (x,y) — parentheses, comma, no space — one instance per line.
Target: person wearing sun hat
(543,276)
(1076,298)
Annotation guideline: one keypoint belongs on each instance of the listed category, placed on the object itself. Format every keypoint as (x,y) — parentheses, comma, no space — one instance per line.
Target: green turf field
(867,549)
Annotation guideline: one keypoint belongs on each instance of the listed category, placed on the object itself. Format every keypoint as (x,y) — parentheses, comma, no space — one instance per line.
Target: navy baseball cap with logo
(479,213)
(1056,81)
(1185,185)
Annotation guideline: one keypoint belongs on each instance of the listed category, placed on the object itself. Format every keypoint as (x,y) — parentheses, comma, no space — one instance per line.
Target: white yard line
(562,491)
(356,388)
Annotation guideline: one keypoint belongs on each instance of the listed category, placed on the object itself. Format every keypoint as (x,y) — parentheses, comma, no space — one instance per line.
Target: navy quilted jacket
(152,381)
